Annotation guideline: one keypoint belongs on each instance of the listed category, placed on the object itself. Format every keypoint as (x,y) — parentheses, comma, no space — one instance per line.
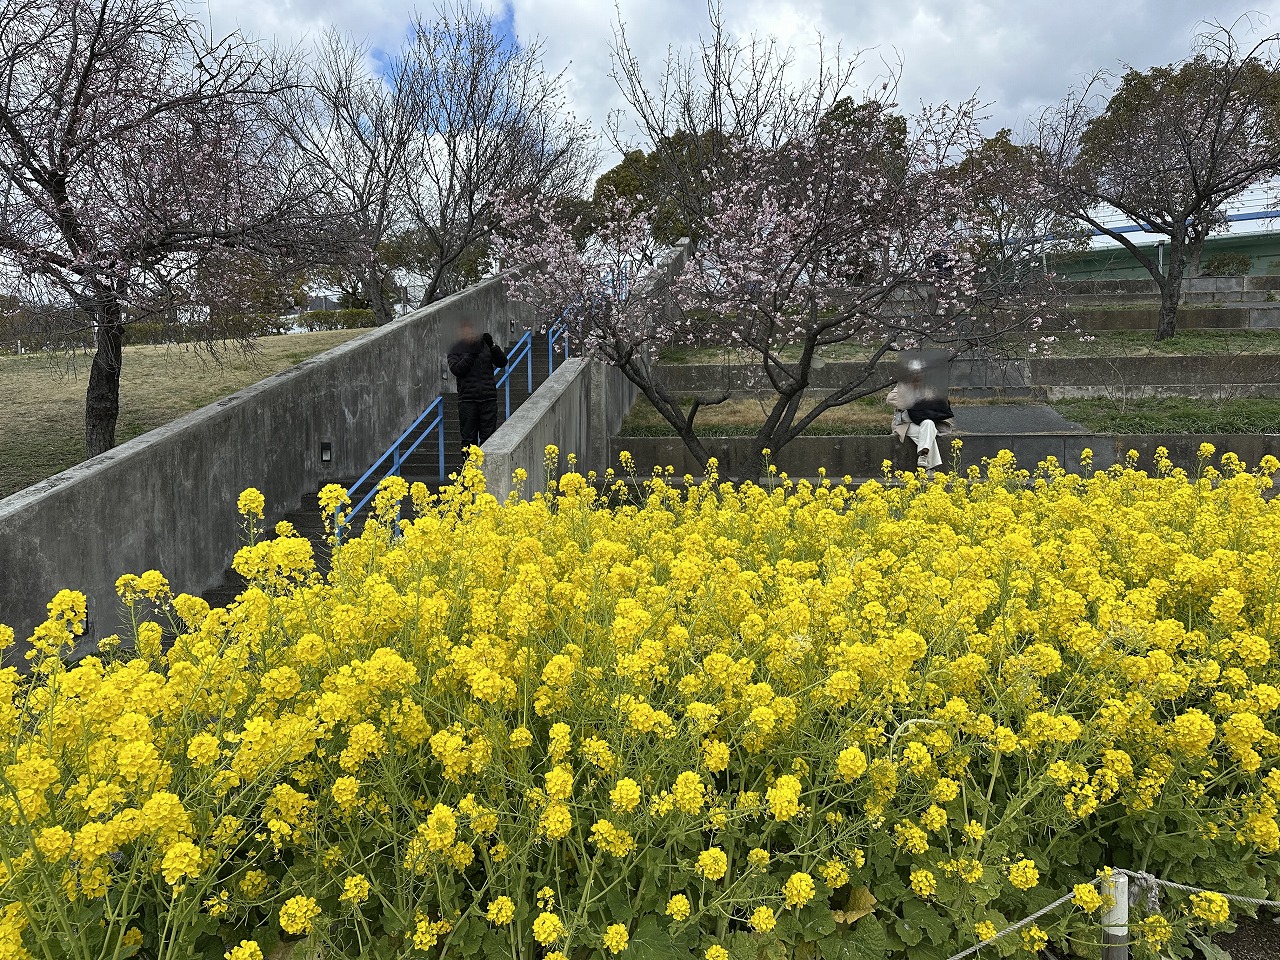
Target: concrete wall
(862,457)
(581,405)
(1225,316)
(166,500)
(1212,377)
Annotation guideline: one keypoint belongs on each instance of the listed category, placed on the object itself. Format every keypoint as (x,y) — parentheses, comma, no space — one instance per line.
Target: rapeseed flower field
(655,721)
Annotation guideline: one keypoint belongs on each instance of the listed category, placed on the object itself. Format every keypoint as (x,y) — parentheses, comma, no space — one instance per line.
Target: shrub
(335,320)
(1226,265)
(725,722)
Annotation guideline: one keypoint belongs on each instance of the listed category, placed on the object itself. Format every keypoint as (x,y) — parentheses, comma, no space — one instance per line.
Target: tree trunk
(666,405)
(1171,293)
(102,398)
(375,294)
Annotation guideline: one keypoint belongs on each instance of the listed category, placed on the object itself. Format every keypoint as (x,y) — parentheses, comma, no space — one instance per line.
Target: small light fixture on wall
(326,451)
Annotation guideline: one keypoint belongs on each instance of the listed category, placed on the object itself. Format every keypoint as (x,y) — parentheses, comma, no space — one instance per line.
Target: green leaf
(652,942)
(495,946)
(393,922)
(1208,949)
(868,940)
(928,920)
(815,919)
(909,931)
(839,946)
(267,937)
(621,906)
(468,934)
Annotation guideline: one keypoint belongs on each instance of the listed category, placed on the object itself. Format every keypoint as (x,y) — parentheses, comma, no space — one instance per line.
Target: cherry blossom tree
(608,283)
(869,244)
(1168,147)
(141,166)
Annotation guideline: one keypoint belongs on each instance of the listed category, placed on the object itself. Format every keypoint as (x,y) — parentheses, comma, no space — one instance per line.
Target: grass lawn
(42,419)
(1110,343)
(1174,415)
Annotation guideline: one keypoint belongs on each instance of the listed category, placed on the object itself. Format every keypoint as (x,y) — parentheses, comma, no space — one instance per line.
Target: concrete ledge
(166,500)
(1211,377)
(577,409)
(1145,286)
(1190,317)
(1219,376)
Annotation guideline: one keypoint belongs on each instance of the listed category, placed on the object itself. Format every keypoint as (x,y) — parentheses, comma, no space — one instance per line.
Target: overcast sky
(1016,54)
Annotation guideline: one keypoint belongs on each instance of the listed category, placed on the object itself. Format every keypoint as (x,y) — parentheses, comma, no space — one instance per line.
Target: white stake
(1115,921)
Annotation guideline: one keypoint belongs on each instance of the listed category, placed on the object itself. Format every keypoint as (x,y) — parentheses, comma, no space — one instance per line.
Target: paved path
(1012,418)
(1253,939)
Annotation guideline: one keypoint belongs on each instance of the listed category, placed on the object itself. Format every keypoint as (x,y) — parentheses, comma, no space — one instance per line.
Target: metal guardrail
(409,441)
(398,452)
(557,334)
(521,352)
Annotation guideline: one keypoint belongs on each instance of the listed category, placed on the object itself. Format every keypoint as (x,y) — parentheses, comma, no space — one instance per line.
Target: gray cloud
(1018,55)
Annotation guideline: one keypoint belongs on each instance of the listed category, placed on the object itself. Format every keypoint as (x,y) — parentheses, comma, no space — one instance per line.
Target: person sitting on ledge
(917,414)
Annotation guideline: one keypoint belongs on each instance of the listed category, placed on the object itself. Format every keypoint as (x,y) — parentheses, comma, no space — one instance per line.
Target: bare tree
(1169,148)
(141,168)
(489,119)
(357,130)
(693,121)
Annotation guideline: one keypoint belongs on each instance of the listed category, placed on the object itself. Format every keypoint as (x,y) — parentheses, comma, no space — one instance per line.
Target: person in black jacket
(472,360)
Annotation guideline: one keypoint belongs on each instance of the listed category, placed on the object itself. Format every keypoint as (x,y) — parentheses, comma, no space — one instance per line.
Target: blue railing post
(521,351)
(398,454)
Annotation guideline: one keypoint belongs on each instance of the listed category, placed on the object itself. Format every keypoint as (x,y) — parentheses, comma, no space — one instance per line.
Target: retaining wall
(166,500)
(1216,377)
(864,456)
(1190,317)
(580,406)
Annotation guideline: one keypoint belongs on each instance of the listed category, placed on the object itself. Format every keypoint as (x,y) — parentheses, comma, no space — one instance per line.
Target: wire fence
(1145,889)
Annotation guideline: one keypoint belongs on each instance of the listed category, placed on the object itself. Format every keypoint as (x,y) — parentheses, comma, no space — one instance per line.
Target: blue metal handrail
(522,349)
(521,352)
(558,331)
(398,454)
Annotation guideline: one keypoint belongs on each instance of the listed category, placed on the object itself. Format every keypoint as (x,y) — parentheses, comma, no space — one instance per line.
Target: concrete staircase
(423,465)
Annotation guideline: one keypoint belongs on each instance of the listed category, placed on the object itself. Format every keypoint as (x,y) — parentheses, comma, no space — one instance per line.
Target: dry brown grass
(42,395)
(741,415)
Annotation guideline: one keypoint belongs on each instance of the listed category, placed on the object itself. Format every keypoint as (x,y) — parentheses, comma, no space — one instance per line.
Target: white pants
(925,436)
